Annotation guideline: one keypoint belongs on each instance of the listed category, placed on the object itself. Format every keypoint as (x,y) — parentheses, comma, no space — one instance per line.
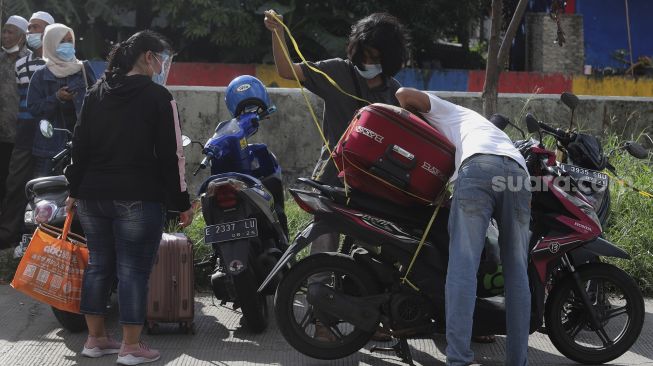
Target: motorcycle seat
(413,215)
(47,183)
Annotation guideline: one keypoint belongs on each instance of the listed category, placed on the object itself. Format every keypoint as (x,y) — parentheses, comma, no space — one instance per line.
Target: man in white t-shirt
(483,154)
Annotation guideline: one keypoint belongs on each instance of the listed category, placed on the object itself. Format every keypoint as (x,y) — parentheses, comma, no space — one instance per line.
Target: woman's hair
(124,55)
(384,33)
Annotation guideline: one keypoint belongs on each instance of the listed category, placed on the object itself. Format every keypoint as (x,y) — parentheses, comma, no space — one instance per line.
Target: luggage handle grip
(393,149)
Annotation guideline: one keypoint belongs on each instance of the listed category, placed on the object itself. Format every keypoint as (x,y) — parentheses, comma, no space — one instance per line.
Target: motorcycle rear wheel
(299,329)
(72,322)
(253,305)
(614,295)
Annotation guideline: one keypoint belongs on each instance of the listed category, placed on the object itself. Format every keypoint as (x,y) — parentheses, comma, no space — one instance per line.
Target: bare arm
(413,100)
(284,67)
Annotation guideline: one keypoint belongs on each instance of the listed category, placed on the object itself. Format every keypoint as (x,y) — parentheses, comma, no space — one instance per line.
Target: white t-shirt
(470,132)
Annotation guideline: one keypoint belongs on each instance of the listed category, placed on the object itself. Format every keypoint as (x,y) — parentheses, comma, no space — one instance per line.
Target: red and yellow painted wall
(205,74)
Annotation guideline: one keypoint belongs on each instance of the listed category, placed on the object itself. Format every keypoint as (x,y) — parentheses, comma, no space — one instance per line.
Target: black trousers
(21,168)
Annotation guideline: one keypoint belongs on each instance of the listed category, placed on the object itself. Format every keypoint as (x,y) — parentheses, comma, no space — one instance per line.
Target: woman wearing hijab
(56,93)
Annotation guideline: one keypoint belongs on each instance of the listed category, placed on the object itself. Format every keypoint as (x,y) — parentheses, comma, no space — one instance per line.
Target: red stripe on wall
(570,8)
(204,74)
(523,82)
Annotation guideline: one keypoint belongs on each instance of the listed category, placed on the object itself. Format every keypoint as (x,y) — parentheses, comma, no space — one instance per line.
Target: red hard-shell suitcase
(393,154)
(171,295)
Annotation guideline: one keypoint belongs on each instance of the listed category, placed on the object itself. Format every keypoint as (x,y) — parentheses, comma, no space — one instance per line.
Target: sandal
(381,336)
(484,339)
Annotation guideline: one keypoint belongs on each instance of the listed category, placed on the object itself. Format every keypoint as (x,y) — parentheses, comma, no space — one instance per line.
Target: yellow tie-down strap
(440,201)
(299,84)
(628,185)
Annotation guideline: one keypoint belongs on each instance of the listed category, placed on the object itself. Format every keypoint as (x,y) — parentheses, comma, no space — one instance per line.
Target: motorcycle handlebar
(559,134)
(61,155)
(204,163)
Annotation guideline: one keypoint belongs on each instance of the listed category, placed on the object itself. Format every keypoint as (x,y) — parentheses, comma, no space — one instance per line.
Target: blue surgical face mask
(370,72)
(34,40)
(66,51)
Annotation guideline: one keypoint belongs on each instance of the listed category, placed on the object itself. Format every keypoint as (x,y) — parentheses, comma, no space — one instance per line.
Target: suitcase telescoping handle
(393,169)
(409,161)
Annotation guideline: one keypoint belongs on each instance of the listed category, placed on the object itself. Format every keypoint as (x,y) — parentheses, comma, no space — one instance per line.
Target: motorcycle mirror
(569,99)
(499,120)
(46,128)
(185,140)
(636,150)
(532,124)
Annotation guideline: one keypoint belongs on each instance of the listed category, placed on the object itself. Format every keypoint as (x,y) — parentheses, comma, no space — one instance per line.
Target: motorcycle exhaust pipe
(362,312)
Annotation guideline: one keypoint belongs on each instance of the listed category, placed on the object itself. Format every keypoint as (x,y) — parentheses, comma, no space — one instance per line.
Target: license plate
(228,231)
(586,175)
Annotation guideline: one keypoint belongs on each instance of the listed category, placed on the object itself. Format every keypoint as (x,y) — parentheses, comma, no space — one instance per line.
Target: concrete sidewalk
(30,335)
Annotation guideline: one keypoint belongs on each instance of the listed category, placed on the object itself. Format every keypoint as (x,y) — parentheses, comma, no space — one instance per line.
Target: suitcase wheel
(151,328)
(187,328)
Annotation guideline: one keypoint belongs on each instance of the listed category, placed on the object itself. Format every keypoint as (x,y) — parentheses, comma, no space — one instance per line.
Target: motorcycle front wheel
(296,316)
(619,307)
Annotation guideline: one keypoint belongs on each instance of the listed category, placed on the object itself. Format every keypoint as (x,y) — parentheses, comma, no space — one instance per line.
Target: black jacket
(127,145)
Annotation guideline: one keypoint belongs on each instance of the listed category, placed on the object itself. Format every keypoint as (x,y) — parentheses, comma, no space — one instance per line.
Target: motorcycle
(594,312)
(47,205)
(243,204)
(581,156)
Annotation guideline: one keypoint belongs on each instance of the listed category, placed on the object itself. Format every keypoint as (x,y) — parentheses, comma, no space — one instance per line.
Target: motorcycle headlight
(44,212)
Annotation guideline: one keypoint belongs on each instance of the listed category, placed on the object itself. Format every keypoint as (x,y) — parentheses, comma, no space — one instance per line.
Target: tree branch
(490,88)
(510,33)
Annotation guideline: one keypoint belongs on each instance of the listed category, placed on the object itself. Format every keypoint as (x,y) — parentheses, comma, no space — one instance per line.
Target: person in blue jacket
(56,93)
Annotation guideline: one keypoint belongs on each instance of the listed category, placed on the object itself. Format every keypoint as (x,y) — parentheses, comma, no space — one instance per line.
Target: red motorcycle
(594,312)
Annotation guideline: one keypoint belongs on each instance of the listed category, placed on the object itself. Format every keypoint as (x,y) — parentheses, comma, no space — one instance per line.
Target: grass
(631,219)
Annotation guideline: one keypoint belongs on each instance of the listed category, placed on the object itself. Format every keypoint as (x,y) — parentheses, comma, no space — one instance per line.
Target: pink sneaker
(98,347)
(135,355)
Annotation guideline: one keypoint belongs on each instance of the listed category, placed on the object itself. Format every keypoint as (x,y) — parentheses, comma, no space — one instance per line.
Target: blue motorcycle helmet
(244,93)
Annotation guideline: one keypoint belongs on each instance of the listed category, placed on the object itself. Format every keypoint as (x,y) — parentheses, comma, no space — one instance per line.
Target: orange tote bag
(52,268)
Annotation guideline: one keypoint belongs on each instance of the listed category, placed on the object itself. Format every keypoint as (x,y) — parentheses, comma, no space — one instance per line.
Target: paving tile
(30,335)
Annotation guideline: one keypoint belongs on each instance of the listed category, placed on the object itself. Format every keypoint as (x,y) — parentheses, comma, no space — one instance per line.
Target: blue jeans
(123,238)
(476,200)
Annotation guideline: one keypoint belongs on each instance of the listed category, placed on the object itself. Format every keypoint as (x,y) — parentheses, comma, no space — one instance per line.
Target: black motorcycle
(46,204)
(595,311)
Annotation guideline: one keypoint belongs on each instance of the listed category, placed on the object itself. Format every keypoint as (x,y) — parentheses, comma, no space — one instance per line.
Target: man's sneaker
(98,347)
(136,355)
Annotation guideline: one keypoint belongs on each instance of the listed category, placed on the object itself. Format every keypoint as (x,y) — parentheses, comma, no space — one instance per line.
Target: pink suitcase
(171,295)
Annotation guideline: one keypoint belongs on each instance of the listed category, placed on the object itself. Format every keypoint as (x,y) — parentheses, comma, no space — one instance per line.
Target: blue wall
(604,24)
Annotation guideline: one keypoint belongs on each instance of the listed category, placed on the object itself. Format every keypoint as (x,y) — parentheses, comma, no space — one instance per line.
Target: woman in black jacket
(127,162)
